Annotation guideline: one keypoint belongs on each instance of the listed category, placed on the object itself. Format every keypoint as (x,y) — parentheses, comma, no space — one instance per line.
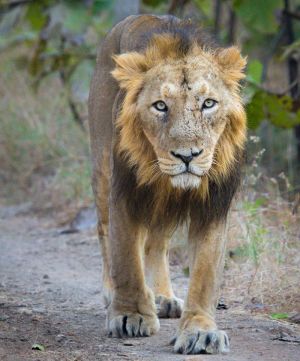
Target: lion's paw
(168,307)
(133,325)
(200,341)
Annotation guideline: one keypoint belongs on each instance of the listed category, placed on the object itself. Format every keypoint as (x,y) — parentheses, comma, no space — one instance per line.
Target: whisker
(169,165)
(154,161)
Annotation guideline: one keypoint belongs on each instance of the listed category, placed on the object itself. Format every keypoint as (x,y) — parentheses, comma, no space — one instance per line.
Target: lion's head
(182,120)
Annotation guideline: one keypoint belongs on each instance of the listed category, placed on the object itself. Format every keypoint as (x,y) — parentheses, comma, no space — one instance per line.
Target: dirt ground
(50,294)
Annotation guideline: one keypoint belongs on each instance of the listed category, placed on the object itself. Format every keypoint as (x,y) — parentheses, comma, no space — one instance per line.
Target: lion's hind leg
(106,279)
(101,189)
(158,274)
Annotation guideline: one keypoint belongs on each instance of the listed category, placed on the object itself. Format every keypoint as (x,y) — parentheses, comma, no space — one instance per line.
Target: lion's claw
(132,325)
(198,342)
(168,307)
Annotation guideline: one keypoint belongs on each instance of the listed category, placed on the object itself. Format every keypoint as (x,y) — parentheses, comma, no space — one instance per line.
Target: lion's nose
(187,157)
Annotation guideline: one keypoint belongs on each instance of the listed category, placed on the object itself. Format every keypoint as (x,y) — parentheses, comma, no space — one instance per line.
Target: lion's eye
(160,106)
(209,103)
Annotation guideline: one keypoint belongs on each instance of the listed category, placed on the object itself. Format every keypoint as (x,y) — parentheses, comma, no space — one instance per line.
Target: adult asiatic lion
(167,133)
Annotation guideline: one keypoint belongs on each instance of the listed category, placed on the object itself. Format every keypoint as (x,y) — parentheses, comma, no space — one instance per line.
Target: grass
(264,251)
(44,155)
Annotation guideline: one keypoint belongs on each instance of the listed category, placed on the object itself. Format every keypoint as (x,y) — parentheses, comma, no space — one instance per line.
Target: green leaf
(254,71)
(76,17)
(36,15)
(153,3)
(101,5)
(186,271)
(279,316)
(38,347)
(279,111)
(258,15)
(255,110)
(205,6)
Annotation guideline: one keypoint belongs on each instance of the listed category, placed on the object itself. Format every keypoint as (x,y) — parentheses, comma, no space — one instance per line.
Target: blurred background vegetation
(47,55)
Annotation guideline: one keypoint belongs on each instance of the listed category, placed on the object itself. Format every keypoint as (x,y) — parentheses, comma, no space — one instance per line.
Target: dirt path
(50,294)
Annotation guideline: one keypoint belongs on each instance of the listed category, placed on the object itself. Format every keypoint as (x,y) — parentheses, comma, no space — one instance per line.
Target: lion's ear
(232,63)
(129,68)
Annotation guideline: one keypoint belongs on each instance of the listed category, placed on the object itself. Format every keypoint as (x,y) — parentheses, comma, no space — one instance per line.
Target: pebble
(60,338)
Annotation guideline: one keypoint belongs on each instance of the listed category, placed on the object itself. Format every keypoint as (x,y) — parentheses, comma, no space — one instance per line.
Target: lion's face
(183,106)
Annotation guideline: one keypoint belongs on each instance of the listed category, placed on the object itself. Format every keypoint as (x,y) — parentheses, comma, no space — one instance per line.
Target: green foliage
(205,6)
(40,140)
(254,72)
(276,109)
(154,3)
(38,347)
(61,36)
(263,105)
(36,15)
(279,316)
(186,271)
(258,15)
(64,37)
(255,110)
(255,230)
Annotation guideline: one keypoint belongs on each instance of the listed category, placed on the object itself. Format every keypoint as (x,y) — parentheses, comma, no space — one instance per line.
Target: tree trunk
(293,70)
(217,17)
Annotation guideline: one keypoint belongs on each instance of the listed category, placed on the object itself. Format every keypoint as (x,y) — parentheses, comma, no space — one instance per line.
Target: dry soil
(50,294)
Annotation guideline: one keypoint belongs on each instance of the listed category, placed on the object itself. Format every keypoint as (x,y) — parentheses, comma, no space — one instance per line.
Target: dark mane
(186,31)
(152,208)
(158,204)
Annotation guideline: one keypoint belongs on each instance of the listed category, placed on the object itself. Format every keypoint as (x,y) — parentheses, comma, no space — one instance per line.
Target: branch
(76,116)
(218,8)
(291,14)
(232,26)
(13,4)
(295,102)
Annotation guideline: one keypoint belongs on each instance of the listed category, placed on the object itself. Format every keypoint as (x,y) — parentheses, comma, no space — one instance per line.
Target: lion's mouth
(190,170)
(186,170)
(186,180)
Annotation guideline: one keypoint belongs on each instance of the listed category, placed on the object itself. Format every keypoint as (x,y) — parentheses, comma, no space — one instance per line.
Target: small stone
(60,338)
(295,317)
(25,311)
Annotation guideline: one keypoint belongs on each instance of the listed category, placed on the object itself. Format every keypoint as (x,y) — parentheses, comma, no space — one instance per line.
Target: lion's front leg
(198,332)
(158,274)
(132,311)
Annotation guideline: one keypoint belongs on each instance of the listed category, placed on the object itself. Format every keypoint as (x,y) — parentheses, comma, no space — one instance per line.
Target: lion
(167,129)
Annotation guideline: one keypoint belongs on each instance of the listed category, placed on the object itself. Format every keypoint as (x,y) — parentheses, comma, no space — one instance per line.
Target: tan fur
(144,141)
(130,72)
